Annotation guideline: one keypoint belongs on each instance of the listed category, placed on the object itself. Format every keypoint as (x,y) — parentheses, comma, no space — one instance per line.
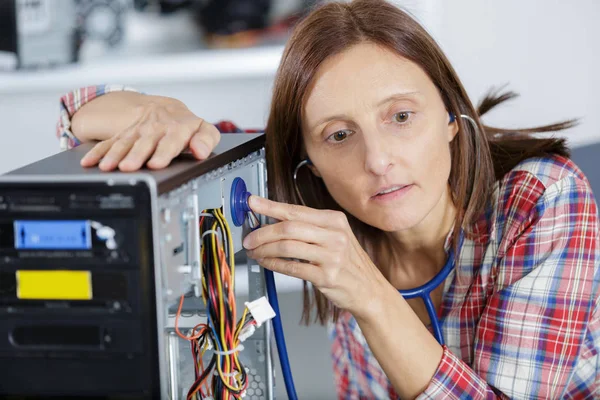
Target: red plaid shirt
(520,313)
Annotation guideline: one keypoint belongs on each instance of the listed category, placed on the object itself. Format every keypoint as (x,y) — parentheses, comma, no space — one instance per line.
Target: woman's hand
(161,130)
(334,260)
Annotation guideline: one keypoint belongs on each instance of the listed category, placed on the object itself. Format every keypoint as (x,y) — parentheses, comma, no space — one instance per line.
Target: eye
(401,117)
(339,136)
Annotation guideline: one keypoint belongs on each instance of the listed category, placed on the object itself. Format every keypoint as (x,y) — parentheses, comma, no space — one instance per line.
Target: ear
(452,127)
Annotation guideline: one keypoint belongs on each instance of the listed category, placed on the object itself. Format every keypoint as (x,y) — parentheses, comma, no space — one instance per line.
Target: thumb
(204,140)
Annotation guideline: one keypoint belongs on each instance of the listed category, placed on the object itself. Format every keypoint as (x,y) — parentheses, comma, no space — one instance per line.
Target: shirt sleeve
(535,322)
(71,102)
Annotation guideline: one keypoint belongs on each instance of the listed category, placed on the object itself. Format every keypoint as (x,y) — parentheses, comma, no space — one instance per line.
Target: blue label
(53,235)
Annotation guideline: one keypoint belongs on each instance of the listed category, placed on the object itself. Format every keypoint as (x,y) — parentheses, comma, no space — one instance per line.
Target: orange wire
(181,335)
(226,277)
(191,395)
(205,383)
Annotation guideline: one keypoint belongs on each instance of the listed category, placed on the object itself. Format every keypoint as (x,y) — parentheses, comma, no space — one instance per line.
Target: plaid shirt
(519,314)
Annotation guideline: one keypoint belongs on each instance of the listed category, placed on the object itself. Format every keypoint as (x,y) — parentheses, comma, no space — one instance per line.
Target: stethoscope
(424,292)
(240,209)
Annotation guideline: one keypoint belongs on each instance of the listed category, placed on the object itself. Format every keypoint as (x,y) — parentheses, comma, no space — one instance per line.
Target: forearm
(408,354)
(111,113)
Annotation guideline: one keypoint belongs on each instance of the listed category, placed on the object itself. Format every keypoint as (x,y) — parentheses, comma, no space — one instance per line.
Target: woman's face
(378,134)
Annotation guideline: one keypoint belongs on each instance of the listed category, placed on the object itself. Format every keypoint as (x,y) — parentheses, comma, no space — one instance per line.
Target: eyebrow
(399,96)
(393,97)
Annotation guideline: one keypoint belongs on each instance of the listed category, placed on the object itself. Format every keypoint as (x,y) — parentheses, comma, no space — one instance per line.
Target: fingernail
(154,161)
(105,163)
(253,200)
(123,164)
(246,242)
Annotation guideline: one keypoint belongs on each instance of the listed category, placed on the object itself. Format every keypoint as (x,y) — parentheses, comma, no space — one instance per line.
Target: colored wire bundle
(222,333)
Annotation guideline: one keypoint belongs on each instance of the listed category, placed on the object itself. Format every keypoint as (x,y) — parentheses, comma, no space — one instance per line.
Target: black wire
(220,391)
(205,373)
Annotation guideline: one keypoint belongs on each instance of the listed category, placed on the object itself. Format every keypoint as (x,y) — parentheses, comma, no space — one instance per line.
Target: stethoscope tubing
(424,292)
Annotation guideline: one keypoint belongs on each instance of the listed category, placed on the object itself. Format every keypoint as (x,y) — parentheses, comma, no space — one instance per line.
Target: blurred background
(220,57)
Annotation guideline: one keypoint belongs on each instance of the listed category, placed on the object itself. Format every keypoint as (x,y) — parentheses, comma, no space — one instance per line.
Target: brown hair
(479,157)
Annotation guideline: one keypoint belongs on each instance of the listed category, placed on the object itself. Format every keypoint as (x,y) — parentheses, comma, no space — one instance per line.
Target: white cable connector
(246,332)
(261,310)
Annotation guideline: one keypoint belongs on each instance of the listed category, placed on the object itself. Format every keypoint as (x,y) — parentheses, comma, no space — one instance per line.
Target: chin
(394,222)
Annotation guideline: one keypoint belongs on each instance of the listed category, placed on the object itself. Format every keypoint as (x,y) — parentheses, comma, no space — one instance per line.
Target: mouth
(390,191)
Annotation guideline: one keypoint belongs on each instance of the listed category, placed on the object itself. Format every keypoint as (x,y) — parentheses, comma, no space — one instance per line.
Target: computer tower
(93,265)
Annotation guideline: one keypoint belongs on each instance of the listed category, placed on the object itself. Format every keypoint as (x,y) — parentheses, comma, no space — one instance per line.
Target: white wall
(548,51)
(545,50)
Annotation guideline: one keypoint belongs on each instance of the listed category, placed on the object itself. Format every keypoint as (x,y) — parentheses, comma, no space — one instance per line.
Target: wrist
(106,115)
(150,104)
(376,306)
(164,101)
(113,112)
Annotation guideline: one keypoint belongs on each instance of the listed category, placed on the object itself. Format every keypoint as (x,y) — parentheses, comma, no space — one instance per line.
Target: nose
(378,157)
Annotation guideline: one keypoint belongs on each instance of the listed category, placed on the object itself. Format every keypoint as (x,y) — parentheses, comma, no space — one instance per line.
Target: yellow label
(54,285)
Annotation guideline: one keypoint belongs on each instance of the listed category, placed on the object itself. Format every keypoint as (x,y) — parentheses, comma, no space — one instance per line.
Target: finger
(291,249)
(293,230)
(169,147)
(94,156)
(140,152)
(117,151)
(296,269)
(204,140)
(293,212)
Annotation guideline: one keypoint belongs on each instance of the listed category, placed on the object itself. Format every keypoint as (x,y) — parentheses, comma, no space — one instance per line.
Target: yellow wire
(220,292)
(225,227)
(219,270)
(230,242)
(241,324)
(203,278)
(232,267)
(228,366)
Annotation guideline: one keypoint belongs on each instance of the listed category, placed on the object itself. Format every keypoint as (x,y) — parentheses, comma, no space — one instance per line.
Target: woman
(401,180)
